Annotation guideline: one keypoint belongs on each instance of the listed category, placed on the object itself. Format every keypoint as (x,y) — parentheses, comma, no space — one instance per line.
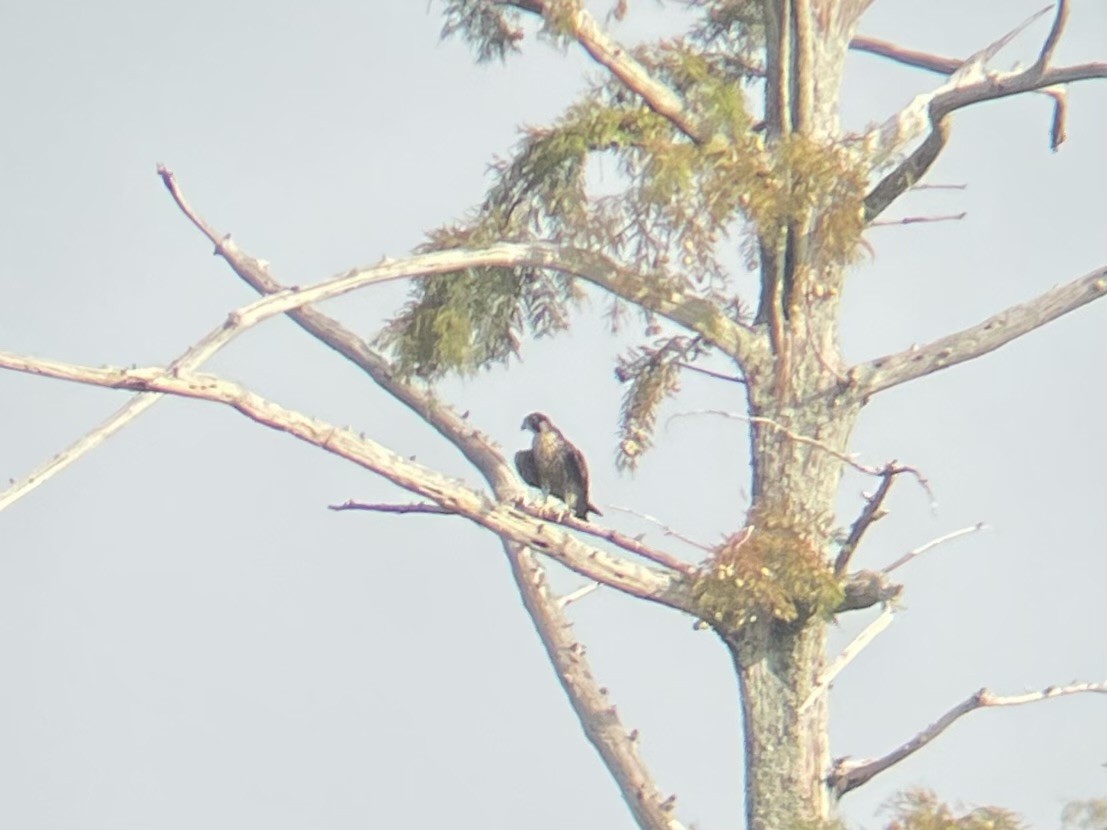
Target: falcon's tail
(589,508)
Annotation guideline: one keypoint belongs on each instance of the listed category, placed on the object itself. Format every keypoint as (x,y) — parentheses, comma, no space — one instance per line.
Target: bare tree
(730,133)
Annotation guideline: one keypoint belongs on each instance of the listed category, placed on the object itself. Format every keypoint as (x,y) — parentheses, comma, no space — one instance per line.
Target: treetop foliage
(685,214)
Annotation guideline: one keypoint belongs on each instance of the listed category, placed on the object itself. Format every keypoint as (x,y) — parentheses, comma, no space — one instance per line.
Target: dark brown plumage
(555,466)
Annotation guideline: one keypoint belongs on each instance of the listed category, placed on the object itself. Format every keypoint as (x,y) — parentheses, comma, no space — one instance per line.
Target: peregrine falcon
(555,466)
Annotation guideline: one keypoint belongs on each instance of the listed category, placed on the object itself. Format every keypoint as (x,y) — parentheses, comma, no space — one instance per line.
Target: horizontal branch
(402,509)
(998,330)
(849,775)
(564,517)
(507,522)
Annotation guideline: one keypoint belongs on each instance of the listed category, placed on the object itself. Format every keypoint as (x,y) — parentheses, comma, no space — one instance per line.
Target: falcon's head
(537,422)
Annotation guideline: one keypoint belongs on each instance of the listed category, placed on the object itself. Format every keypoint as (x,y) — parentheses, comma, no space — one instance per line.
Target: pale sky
(191,639)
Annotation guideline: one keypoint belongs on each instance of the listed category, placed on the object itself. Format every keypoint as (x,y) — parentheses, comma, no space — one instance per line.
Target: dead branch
(694,313)
(579,593)
(617,60)
(635,546)
(710,373)
(848,775)
(873,511)
(998,330)
(1059,21)
(847,458)
(855,647)
(969,84)
(911,554)
(665,529)
(908,57)
(421,507)
(601,723)
(599,718)
(914,220)
(507,522)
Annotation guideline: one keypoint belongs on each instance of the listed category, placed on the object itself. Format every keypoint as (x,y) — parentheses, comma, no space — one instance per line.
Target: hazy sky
(191,639)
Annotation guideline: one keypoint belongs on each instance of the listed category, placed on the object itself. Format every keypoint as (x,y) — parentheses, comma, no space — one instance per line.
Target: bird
(555,466)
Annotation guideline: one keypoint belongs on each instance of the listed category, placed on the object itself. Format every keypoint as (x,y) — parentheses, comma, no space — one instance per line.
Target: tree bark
(802,413)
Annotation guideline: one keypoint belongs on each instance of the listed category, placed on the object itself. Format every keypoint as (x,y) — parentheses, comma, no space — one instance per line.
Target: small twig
(420,507)
(921,186)
(710,373)
(665,529)
(872,512)
(848,458)
(908,57)
(579,593)
(914,220)
(848,775)
(1060,112)
(911,554)
(564,517)
(871,632)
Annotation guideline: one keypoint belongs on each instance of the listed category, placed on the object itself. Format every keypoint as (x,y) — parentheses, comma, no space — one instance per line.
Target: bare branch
(998,330)
(873,511)
(509,523)
(1054,35)
(665,529)
(848,775)
(579,593)
(598,716)
(933,543)
(968,84)
(607,52)
(922,186)
(848,458)
(908,57)
(914,220)
(421,507)
(601,723)
(855,647)
(711,374)
(649,291)
(564,517)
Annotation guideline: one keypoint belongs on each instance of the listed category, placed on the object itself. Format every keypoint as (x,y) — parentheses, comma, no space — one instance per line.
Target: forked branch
(849,775)
(969,84)
(601,723)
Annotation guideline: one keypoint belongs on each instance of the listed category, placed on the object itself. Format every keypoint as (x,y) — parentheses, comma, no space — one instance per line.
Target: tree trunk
(801,418)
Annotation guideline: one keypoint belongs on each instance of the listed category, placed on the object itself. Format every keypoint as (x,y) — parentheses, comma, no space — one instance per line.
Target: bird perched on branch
(555,466)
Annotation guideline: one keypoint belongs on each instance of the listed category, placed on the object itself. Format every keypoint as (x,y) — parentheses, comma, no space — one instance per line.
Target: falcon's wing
(528,470)
(577,474)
